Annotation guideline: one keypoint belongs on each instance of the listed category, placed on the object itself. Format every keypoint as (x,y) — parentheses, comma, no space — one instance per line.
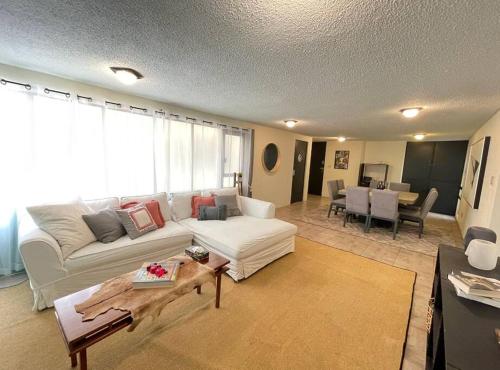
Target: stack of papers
(476,288)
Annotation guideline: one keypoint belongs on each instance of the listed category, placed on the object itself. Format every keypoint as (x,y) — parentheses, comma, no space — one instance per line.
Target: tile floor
(422,264)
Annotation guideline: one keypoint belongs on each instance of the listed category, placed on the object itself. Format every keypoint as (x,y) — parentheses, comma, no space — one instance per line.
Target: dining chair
(419,214)
(373,184)
(357,203)
(336,200)
(384,206)
(399,186)
(340,184)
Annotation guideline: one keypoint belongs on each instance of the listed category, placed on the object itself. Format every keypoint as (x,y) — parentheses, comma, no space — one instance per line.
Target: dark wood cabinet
(462,332)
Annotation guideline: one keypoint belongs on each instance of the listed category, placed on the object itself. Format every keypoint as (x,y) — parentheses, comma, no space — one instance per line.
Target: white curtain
(233,144)
(55,149)
(129,153)
(15,118)
(207,147)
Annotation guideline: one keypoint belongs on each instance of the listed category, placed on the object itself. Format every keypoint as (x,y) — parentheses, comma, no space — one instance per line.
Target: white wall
(277,186)
(390,152)
(350,176)
(488,214)
(274,187)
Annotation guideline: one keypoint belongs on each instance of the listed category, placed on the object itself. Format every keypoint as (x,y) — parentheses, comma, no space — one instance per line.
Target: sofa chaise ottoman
(250,241)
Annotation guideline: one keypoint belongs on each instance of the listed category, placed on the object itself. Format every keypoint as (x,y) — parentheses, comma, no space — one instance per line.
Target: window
(232,156)
(62,149)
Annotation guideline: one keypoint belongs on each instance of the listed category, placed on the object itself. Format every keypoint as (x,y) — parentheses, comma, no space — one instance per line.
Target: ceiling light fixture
(410,112)
(341,139)
(290,123)
(127,76)
(419,136)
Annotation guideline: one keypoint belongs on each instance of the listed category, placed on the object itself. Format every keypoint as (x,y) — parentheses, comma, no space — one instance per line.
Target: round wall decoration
(271,157)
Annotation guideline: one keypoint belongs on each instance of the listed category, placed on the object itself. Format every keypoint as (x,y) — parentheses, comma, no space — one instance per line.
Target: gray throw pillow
(230,202)
(212,213)
(105,225)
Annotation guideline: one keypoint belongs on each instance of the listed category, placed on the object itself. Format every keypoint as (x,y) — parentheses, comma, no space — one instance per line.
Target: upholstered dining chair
(373,184)
(384,206)
(340,184)
(336,200)
(357,203)
(419,214)
(399,186)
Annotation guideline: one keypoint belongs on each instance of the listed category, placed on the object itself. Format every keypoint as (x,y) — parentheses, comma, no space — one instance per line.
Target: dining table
(406,198)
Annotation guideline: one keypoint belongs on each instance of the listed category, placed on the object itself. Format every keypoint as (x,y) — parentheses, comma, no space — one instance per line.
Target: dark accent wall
(438,164)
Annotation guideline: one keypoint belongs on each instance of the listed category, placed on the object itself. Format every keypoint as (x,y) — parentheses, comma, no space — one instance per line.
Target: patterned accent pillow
(153,207)
(136,220)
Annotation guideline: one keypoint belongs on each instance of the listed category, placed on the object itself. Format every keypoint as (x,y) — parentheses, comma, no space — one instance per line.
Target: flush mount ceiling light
(127,76)
(341,139)
(419,136)
(410,112)
(290,123)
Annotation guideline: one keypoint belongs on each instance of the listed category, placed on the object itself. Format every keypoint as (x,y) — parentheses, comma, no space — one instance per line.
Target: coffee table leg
(198,289)
(83,359)
(217,290)
(74,362)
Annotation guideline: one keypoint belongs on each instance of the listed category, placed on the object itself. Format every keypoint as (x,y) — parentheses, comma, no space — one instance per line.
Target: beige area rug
(438,230)
(317,308)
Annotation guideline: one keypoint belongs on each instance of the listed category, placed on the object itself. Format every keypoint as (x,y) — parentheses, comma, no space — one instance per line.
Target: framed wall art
(341,160)
(474,176)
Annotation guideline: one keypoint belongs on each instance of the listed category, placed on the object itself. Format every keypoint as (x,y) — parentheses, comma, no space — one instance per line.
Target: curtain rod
(3,81)
(48,91)
(119,105)
(88,98)
(138,108)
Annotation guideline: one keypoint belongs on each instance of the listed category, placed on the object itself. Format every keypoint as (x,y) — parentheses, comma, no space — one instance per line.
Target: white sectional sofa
(250,242)
(52,277)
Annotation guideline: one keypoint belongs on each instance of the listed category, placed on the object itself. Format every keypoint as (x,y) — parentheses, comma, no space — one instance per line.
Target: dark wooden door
(317,167)
(437,164)
(299,170)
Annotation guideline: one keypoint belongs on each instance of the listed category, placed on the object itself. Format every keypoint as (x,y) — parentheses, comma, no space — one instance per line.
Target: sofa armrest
(257,208)
(42,257)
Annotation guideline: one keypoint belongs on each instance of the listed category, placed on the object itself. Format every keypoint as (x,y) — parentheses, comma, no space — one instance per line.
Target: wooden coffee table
(79,335)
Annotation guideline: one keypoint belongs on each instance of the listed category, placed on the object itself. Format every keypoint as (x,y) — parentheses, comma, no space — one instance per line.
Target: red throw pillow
(153,206)
(198,201)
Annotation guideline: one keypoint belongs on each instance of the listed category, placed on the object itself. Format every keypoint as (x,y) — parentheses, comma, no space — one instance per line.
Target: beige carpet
(437,230)
(318,308)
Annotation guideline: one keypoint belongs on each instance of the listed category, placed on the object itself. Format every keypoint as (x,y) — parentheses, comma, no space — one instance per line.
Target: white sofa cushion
(97,253)
(181,205)
(220,191)
(160,197)
(241,236)
(98,205)
(64,222)
(257,208)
